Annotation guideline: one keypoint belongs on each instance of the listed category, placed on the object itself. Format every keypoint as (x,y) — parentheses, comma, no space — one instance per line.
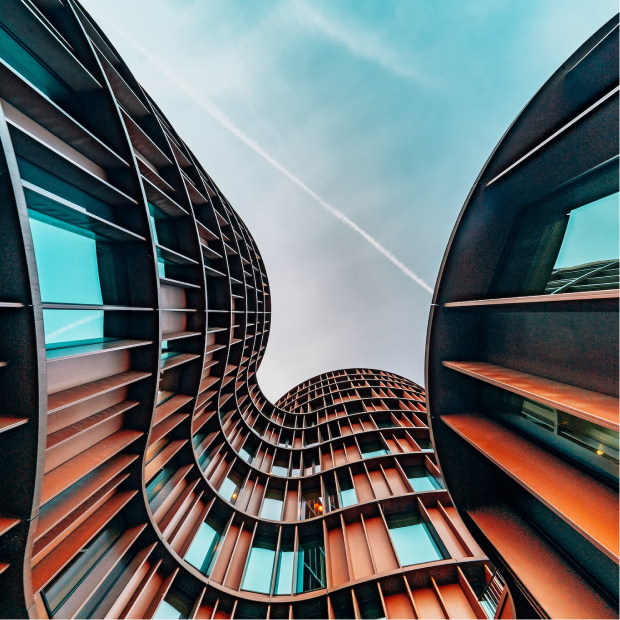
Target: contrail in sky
(226,122)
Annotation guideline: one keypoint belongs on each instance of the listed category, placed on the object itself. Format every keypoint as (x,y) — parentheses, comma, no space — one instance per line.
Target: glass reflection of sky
(592,234)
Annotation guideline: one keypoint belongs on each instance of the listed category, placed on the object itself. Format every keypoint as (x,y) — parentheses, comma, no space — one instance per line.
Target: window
(420,478)
(425,444)
(230,487)
(347,494)
(272,505)
(158,483)
(284,577)
(311,504)
(68,273)
(590,246)
(203,550)
(311,565)
(372,446)
(177,604)
(80,567)
(259,570)
(280,465)
(412,539)
(248,450)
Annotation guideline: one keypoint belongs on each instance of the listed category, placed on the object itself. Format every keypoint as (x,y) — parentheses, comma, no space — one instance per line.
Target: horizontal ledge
(161,200)
(178,310)
(173,257)
(537,299)
(179,335)
(59,306)
(177,360)
(214,272)
(177,283)
(42,201)
(11,304)
(55,355)
(9,422)
(588,506)
(585,404)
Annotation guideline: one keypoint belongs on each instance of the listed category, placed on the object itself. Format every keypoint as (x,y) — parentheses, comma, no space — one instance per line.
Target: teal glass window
(177,604)
(65,583)
(272,505)
(166,611)
(230,487)
(259,570)
(588,256)
(203,550)
(591,234)
(347,495)
(372,446)
(311,566)
(425,444)
(159,482)
(248,450)
(284,577)
(412,539)
(420,479)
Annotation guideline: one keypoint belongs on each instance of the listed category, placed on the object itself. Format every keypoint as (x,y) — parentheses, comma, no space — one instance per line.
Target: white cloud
(359,41)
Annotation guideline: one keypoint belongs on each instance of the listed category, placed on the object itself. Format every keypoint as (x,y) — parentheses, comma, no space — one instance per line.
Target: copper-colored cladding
(586,404)
(113,454)
(523,382)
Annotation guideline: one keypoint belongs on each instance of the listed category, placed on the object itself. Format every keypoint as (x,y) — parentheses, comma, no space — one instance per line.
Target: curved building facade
(522,350)
(144,474)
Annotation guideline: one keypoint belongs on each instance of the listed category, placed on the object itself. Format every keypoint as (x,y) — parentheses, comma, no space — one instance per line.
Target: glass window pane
(412,540)
(230,487)
(591,234)
(66,263)
(64,327)
(284,579)
(421,479)
(202,551)
(259,570)
(311,567)
(166,611)
(272,508)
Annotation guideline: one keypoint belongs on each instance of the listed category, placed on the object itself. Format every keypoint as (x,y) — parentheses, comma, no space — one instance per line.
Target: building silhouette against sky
(144,474)
(522,351)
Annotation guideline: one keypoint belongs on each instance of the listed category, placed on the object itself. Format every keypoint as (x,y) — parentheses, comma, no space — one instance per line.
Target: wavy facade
(144,474)
(522,350)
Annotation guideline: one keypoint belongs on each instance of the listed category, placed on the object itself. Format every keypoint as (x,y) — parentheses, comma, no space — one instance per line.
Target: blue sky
(385,109)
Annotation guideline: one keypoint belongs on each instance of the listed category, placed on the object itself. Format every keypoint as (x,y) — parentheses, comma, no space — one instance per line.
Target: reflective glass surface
(271,509)
(203,550)
(259,570)
(311,567)
(284,578)
(412,539)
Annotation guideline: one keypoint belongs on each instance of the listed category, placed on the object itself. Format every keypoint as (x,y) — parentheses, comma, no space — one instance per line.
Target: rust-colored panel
(457,522)
(456,602)
(382,551)
(587,505)
(393,446)
(147,591)
(363,488)
(244,497)
(219,570)
(81,393)
(353,454)
(326,460)
(560,590)
(396,482)
(75,439)
(257,498)
(237,564)
(70,415)
(204,612)
(427,603)
(73,371)
(360,554)
(454,547)
(291,507)
(379,484)
(189,524)
(338,557)
(61,478)
(162,458)
(586,404)
(398,606)
(53,563)
(339,456)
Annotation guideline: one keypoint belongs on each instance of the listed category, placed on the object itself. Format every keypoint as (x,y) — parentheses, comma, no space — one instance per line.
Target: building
(522,349)
(144,474)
